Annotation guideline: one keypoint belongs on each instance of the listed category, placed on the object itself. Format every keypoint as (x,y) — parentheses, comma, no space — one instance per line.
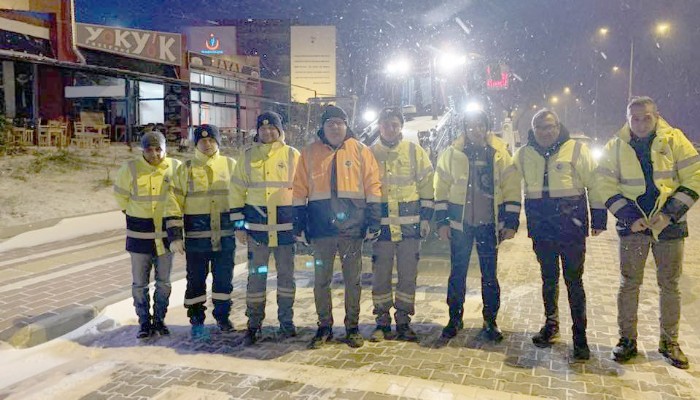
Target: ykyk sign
(160,47)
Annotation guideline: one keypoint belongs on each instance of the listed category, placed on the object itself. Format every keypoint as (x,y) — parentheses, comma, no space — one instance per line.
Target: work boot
(145,331)
(625,350)
(406,333)
(354,339)
(491,332)
(199,333)
(380,333)
(673,354)
(252,335)
(323,335)
(453,326)
(287,331)
(581,351)
(225,325)
(545,337)
(160,328)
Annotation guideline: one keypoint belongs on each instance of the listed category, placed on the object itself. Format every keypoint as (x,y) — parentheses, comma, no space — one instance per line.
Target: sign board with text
(313,63)
(159,47)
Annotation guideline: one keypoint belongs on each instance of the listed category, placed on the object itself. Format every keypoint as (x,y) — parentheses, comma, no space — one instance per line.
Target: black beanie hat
(205,130)
(270,118)
(333,112)
(391,112)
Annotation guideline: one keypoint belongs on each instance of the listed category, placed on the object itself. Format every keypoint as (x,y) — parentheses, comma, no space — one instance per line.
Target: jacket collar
(203,158)
(564,135)
(663,129)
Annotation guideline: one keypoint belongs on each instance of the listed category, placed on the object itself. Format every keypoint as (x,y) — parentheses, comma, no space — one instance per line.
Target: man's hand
(444,232)
(424,229)
(596,232)
(507,234)
(302,239)
(372,236)
(639,225)
(660,221)
(242,237)
(178,246)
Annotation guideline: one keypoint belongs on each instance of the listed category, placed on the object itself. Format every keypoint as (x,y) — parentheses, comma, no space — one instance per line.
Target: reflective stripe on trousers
(258,269)
(406,252)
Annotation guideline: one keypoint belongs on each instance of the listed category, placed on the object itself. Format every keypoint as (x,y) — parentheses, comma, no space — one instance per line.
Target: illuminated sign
(497,77)
(212,45)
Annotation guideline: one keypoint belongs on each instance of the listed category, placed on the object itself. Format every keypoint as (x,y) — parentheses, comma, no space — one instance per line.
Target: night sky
(550,44)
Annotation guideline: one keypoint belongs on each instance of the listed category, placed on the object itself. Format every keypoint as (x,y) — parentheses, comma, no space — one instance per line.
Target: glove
(178,247)
(424,228)
(660,221)
(506,234)
(242,237)
(372,236)
(444,232)
(302,239)
(639,225)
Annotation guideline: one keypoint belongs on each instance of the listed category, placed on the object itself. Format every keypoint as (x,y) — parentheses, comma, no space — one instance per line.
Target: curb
(55,326)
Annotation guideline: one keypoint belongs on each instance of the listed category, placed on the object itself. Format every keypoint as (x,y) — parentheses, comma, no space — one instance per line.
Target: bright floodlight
(398,67)
(663,28)
(473,106)
(603,31)
(448,62)
(596,153)
(369,115)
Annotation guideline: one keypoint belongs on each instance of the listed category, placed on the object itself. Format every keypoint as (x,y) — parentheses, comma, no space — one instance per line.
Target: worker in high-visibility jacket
(477,199)
(336,206)
(201,204)
(262,209)
(407,208)
(650,177)
(141,190)
(558,173)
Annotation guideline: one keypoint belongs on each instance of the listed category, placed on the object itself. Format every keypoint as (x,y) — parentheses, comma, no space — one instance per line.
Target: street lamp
(398,69)
(661,29)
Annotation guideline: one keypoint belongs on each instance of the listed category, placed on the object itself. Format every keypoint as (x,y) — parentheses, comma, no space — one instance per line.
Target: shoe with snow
(545,337)
(287,331)
(451,329)
(323,335)
(625,350)
(252,336)
(490,332)
(160,328)
(673,354)
(406,333)
(380,333)
(145,331)
(199,333)
(354,339)
(225,325)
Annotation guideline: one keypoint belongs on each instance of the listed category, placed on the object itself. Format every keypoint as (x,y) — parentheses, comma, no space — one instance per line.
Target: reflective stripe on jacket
(336,192)
(452,180)
(559,187)
(200,202)
(262,186)
(406,174)
(141,190)
(676,174)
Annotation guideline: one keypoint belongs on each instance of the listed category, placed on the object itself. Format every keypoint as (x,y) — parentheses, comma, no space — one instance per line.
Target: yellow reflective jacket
(141,191)
(452,180)
(559,187)
(200,202)
(406,174)
(262,187)
(676,175)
